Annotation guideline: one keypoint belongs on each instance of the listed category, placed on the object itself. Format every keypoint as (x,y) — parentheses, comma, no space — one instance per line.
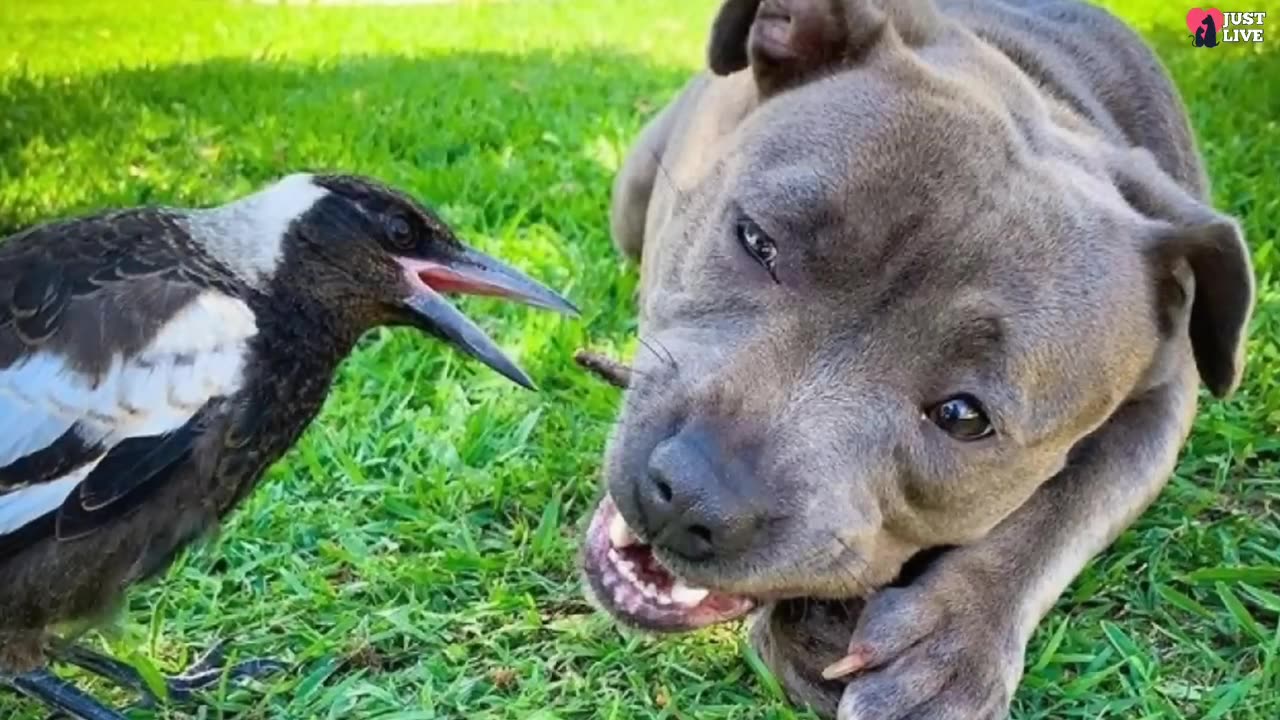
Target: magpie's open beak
(469,272)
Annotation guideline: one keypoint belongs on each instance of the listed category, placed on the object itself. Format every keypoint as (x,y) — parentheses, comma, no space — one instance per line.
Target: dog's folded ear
(1189,233)
(727,50)
(788,37)
(786,41)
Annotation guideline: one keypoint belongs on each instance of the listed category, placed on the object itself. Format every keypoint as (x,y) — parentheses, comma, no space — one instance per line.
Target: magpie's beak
(469,272)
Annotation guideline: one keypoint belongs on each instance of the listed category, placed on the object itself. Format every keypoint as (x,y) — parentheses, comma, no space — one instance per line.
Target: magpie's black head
(387,260)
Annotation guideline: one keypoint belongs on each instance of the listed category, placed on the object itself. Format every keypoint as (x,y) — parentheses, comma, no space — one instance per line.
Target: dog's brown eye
(961,417)
(759,245)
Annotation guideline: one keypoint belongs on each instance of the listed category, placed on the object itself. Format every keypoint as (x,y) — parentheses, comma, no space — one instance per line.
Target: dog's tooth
(628,570)
(649,591)
(620,533)
(686,595)
(614,557)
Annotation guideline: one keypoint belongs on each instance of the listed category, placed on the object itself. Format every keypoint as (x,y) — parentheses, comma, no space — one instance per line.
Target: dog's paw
(938,649)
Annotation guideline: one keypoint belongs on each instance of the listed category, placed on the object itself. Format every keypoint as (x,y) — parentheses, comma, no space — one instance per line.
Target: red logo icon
(1195,18)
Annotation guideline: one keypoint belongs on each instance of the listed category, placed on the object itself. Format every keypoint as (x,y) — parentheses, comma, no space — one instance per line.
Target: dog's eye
(759,245)
(961,417)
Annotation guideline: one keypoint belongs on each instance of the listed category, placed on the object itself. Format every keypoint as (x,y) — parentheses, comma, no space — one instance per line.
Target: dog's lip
(629,583)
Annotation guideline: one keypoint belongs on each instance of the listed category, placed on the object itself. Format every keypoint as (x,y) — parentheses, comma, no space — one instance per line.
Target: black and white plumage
(154,363)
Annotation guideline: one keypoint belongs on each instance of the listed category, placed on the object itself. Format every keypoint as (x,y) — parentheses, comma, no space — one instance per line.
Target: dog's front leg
(950,645)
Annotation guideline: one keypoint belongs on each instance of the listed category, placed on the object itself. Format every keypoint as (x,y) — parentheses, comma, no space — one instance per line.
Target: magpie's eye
(961,417)
(399,231)
(759,245)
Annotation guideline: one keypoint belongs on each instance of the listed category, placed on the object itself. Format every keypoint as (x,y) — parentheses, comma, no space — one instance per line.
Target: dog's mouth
(629,581)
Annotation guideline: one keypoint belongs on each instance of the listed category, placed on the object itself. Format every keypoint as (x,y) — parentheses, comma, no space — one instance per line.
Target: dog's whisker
(668,358)
(806,607)
(667,350)
(850,574)
(651,349)
(855,573)
(671,183)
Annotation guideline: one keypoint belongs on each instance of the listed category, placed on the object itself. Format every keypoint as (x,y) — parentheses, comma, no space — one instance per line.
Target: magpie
(155,362)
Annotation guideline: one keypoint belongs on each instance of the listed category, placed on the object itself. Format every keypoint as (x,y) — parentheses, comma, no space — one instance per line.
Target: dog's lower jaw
(623,577)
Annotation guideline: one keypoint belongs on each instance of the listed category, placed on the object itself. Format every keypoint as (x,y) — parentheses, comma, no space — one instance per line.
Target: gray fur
(1000,198)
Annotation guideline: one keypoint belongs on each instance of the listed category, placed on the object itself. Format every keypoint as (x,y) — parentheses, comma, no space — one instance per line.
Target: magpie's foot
(58,695)
(205,673)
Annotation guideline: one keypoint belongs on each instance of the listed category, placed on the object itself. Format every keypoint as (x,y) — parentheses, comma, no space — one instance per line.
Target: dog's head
(883,310)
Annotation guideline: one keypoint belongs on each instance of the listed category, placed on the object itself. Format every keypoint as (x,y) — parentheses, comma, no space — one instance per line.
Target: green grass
(414,555)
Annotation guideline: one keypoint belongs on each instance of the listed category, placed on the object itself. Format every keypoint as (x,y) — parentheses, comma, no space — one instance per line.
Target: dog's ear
(785,41)
(1187,232)
(727,50)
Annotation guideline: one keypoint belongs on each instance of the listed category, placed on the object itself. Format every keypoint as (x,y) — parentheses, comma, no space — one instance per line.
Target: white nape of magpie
(155,362)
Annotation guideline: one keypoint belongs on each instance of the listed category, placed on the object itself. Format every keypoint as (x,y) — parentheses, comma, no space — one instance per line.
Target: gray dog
(930,289)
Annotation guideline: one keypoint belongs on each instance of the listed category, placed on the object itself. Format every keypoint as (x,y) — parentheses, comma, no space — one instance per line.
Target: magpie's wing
(105,488)
(113,341)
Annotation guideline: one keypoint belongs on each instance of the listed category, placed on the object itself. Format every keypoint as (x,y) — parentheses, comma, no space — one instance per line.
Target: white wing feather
(197,355)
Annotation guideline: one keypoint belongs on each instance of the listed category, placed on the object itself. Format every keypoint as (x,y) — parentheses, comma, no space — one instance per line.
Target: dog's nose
(689,502)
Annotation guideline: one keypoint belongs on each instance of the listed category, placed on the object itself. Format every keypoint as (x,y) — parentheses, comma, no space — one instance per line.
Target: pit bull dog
(928,289)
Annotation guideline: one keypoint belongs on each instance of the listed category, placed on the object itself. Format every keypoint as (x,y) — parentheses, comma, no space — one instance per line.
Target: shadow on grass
(505,131)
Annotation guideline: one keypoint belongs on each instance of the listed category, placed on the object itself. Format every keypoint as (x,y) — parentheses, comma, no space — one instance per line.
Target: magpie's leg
(59,695)
(206,672)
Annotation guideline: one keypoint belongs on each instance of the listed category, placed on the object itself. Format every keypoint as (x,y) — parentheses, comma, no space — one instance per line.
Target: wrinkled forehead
(858,160)
(852,187)
(930,210)
(856,147)
(882,115)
